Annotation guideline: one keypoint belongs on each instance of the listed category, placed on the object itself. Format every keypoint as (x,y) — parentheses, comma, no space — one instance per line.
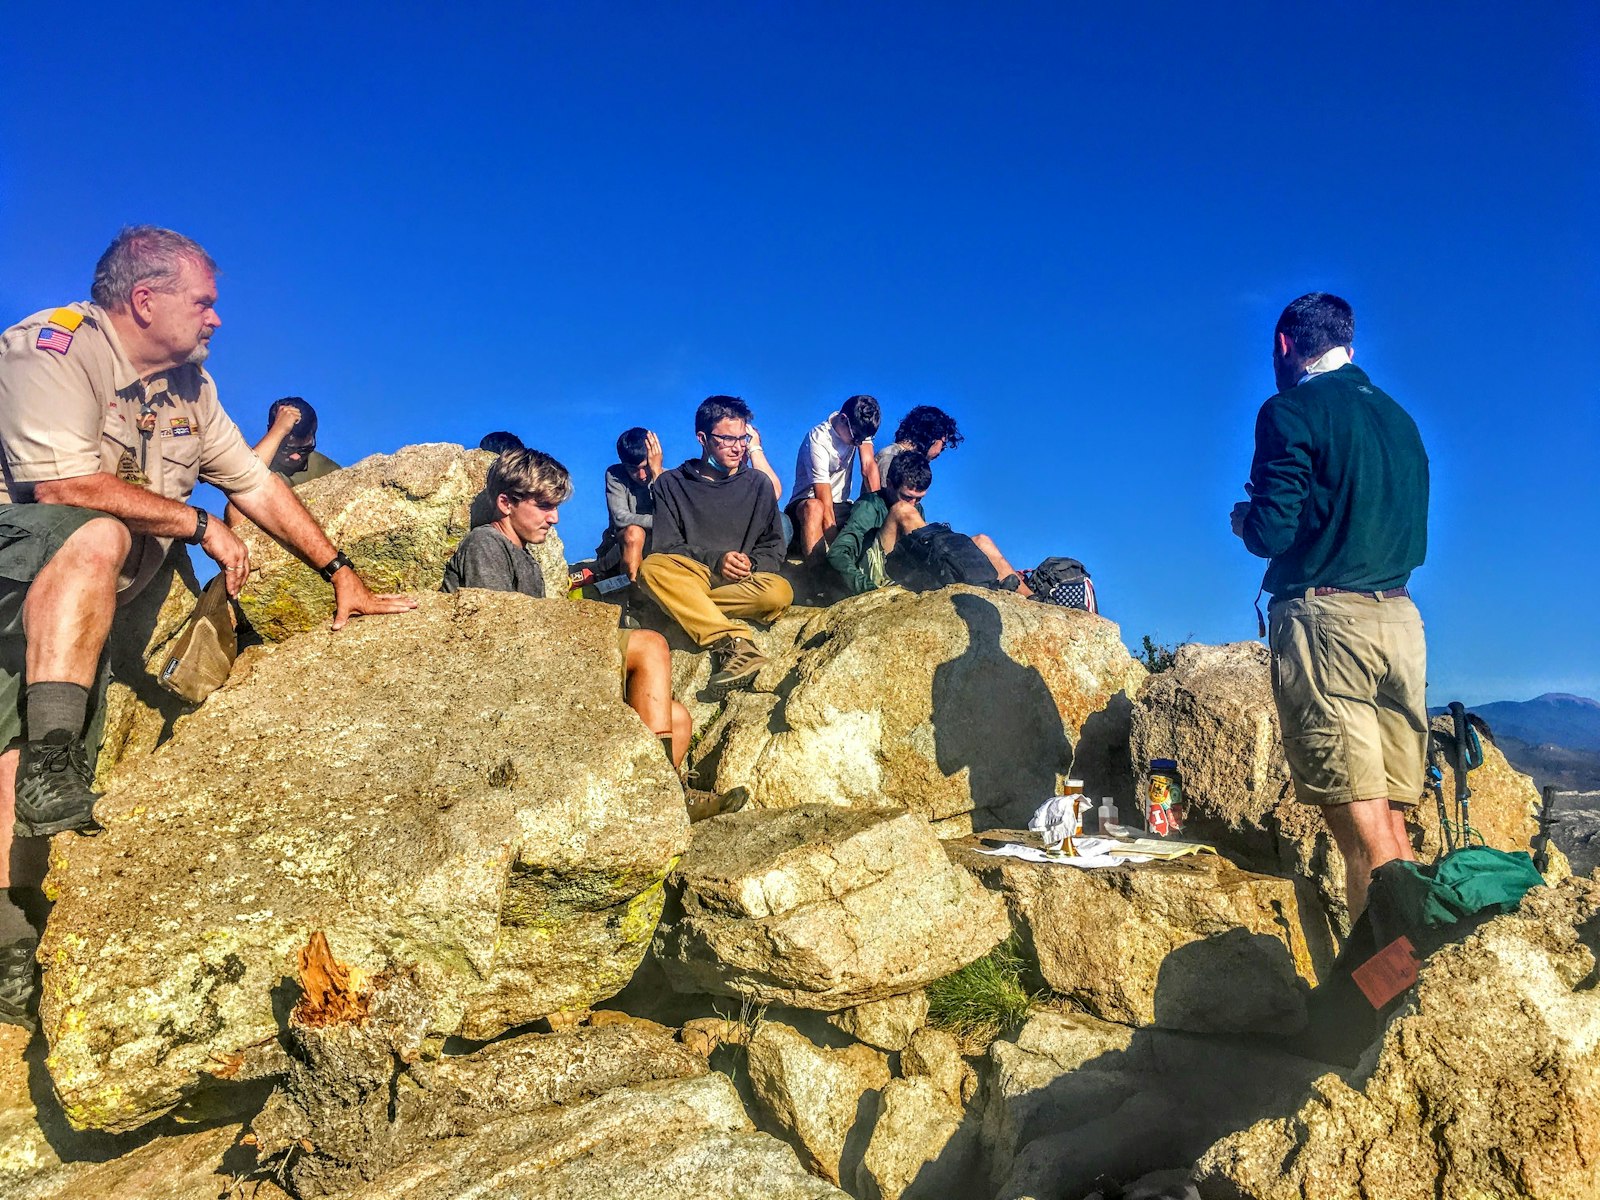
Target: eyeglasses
(730,439)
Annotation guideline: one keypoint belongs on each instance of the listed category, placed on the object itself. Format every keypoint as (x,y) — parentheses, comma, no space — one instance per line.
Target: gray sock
(14,925)
(53,706)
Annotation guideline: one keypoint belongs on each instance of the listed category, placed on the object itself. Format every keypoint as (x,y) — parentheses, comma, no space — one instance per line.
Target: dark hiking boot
(737,661)
(19,983)
(708,804)
(53,792)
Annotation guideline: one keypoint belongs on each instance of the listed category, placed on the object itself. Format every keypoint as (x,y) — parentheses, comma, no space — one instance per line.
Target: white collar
(1330,360)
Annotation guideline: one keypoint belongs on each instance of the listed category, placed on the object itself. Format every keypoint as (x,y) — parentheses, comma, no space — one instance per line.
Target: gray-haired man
(107,422)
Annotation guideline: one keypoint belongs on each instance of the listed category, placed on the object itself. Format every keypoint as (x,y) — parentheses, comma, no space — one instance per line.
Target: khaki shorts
(30,536)
(1348,675)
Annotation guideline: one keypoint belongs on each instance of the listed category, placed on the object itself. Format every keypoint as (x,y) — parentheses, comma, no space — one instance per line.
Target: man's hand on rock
(353,598)
(734,566)
(223,547)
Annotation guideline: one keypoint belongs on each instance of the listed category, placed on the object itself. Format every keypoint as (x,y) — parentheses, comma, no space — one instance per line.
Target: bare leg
(1365,832)
(632,538)
(1397,814)
(998,560)
(682,732)
(67,613)
(649,671)
(25,860)
(809,525)
(903,518)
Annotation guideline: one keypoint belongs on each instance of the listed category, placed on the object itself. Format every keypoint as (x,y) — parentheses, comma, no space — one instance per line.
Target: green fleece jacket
(1339,487)
(848,553)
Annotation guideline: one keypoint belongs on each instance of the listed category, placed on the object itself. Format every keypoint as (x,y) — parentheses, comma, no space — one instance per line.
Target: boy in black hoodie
(717,544)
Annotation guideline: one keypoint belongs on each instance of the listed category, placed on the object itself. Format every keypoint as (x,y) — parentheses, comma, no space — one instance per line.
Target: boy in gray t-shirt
(524,490)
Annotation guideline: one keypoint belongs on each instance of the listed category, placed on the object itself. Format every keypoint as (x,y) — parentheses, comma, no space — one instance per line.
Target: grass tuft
(986,998)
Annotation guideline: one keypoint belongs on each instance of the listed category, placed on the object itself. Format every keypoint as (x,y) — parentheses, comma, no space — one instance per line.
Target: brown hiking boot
(737,661)
(708,804)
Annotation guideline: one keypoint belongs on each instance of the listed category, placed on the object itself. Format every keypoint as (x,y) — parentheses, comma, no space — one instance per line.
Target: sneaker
(53,792)
(19,983)
(708,804)
(738,660)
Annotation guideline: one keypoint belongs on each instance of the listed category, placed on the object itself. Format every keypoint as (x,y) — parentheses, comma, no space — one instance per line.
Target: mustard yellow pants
(689,593)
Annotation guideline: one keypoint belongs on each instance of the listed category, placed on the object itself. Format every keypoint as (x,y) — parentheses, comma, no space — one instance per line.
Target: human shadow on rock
(997,719)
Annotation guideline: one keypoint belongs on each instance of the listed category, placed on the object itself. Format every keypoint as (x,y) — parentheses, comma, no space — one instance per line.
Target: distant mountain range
(1554,737)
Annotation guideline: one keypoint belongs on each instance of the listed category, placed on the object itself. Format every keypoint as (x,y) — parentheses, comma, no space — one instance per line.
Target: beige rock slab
(887,1024)
(1193,944)
(43,1158)
(822,907)
(924,1145)
(959,703)
(685,1140)
(813,1093)
(460,788)
(935,1054)
(398,517)
(1486,1084)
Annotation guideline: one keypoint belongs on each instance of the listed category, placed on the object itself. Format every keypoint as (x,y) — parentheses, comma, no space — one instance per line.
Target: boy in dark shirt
(718,544)
(526,487)
(630,509)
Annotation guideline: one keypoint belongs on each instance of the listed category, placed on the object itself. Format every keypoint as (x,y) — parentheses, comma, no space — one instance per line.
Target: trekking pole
(1466,754)
(1446,831)
(1541,843)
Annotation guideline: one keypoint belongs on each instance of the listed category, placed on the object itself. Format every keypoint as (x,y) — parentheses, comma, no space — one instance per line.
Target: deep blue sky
(1071,230)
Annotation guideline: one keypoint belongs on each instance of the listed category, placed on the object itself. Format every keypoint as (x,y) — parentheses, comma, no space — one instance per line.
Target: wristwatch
(201,519)
(332,569)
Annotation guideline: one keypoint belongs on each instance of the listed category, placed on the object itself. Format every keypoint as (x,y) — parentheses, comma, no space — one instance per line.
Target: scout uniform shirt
(71,405)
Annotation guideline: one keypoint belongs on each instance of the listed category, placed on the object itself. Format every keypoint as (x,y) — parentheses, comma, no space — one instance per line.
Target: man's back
(1339,487)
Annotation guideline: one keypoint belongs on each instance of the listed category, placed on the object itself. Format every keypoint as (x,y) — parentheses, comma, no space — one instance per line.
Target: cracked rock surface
(822,907)
(460,788)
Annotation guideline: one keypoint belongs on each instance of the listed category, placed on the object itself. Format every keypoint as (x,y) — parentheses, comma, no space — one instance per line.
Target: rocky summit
(460,787)
(414,911)
(967,706)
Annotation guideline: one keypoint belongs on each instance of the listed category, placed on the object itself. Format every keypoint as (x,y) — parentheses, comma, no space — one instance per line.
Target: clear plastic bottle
(1106,817)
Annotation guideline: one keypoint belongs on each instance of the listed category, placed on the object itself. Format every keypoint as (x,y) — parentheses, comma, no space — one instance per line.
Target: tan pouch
(202,657)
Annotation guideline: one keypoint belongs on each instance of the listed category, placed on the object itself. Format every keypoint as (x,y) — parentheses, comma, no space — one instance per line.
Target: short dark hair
(863,415)
(720,408)
(910,468)
(500,441)
(305,429)
(1316,323)
(631,446)
(924,425)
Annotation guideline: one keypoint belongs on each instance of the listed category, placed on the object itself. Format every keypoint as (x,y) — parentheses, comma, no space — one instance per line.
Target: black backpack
(1063,581)
(936,556)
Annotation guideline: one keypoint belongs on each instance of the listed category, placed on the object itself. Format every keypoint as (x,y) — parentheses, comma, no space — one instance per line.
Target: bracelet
(333,568)
(201,519)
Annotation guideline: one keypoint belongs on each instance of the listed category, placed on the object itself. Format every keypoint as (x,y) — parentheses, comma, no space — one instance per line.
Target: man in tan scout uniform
(107,421)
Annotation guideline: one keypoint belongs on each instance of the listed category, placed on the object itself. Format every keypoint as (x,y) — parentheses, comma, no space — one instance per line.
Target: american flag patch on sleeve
(51,338)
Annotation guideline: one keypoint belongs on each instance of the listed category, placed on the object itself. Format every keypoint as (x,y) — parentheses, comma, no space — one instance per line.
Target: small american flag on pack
(1063,581)
(51,338)
(1074,595)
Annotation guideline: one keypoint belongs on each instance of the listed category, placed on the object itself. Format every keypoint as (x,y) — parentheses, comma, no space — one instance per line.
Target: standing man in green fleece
(1339,504)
